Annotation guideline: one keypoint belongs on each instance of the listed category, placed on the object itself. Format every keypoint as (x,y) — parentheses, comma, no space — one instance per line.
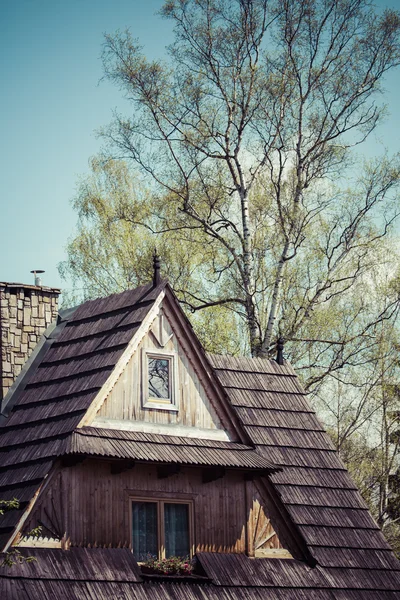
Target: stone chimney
(25,313)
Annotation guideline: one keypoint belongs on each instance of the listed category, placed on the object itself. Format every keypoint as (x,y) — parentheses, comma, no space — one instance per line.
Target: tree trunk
(248,271)
(263,352)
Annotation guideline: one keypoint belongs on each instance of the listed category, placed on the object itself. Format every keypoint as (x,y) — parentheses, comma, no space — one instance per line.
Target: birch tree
(258,89)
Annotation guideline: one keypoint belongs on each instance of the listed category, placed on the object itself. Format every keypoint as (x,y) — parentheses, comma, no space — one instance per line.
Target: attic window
(159,380)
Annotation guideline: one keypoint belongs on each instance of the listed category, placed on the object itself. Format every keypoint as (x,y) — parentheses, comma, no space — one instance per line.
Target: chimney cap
(38,281)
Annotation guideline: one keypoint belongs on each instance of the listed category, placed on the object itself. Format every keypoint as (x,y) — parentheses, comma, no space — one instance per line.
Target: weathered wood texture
(91,505)
(260,533)
(125,400)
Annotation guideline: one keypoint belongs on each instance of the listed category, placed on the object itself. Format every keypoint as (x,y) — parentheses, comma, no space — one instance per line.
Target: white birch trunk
(274,302)
(248,268)
(263,352)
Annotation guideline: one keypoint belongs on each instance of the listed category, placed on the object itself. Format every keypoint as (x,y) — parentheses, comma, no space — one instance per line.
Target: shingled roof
(150,447)
(351,559)
(75,360)
(314,485)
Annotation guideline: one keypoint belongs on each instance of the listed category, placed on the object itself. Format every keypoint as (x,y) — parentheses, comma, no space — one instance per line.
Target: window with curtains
(161,528)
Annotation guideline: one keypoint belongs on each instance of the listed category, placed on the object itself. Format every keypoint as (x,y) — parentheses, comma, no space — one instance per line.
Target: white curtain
(176,517)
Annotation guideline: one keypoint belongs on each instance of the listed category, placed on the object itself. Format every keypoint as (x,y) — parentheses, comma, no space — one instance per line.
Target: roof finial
(156,267)
(279,354)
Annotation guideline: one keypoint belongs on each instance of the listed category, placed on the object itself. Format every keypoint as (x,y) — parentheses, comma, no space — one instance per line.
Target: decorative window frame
(169,404)
(161,520)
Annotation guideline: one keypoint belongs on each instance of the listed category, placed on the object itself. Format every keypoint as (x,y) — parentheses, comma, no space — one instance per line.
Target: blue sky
(52,103)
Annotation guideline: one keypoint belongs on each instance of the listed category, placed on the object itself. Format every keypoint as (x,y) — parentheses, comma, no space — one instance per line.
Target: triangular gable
(193,409)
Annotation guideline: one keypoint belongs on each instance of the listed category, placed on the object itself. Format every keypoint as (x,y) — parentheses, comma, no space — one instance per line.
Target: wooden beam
(212,473)
(71,460)
(119,466)
(164,471)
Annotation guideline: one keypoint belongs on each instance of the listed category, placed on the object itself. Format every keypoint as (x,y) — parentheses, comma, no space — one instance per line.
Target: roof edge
(30,366)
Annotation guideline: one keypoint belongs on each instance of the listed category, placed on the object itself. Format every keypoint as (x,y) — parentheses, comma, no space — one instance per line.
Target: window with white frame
(161,528)
(159,380)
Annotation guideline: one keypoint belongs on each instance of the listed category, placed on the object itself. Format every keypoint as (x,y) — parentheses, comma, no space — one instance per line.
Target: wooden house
(122,439)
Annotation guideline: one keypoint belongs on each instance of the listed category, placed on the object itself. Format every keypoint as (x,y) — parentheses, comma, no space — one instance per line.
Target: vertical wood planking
(96,506)
(124,400)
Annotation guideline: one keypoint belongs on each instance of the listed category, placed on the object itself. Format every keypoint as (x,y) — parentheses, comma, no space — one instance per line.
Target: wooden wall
(92,506)
(125,399)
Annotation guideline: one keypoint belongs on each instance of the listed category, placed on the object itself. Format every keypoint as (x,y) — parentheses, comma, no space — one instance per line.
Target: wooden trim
(273,553)
(249,539)
(122,362)
(40,542)
(142,494)
(172,403)
(161,529)
(15,534)
(161,428)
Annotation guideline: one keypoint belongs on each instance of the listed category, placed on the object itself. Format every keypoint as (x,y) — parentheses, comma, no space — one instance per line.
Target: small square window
(159,380)
(161,529)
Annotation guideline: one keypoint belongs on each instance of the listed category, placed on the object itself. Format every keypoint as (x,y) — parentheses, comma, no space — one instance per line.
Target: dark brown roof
(76,564)
(112,573)
(65,377)
(314,486)
(237,570)
(166,449)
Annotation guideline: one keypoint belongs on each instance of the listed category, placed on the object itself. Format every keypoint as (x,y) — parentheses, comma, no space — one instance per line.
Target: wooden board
(92,506)
(125,400)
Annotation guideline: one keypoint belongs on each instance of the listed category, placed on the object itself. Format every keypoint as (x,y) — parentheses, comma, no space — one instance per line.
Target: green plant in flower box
(174,565)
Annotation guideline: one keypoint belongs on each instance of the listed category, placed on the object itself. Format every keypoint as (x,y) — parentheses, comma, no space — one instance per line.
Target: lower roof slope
(315,487)
(113,573)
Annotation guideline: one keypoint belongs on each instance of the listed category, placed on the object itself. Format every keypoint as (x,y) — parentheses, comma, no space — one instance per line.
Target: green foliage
(6,505)
(361,414)
(174,565)
(114,245)
(245,179)
(14,556)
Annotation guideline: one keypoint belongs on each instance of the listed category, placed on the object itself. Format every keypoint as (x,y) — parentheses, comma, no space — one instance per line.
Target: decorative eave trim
(17,529)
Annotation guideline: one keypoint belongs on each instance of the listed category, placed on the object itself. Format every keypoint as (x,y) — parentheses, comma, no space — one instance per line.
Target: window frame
(161,521)
(169,404)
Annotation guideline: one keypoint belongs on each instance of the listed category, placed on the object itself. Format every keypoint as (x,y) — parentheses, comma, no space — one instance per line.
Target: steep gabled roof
(63,380)
(77,362)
